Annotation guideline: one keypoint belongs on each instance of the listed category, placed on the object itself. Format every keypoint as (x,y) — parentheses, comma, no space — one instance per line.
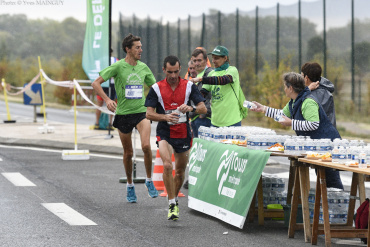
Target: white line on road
(68,214)
(17,179)
(60,151)
(1,159)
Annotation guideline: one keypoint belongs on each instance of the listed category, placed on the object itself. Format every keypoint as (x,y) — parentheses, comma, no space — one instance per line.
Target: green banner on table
(223,179)
(95,56)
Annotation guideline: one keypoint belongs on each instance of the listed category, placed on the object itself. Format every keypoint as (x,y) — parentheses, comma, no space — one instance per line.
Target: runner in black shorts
(168,102)
(130,77)
(126,123)
(178,145)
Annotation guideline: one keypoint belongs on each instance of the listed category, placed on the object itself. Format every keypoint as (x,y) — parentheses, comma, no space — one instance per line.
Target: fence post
(256,56)
(299,36)
(159,49)
(219,27)
(324,33)
(148,41)
(237,39)
(178,40)
(168,38)
(189,39)
(353,50)
(277,35)
(202,40)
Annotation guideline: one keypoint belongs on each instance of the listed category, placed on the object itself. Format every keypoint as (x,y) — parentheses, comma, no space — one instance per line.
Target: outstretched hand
(259,108)
(286,121)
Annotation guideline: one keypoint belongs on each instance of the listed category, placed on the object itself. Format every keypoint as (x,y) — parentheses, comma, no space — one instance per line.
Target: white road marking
(1,159)
(119,157)
(17,179)
(68,214)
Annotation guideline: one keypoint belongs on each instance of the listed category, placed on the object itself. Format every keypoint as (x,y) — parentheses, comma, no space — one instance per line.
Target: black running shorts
(126,123)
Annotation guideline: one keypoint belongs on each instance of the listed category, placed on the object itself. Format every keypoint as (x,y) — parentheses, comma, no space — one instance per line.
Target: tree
(362,57)
(315,46)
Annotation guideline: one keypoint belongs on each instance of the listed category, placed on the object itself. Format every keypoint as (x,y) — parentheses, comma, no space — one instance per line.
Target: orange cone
(158,172)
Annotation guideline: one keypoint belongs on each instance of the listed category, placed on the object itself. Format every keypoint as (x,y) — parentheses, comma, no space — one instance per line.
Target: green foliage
(362,55)
(315,46)
(269,90)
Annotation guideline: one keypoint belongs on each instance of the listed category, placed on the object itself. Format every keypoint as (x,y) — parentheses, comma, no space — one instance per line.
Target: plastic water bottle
(335,154)
(281,184)
(201,132)
(279,117)
(342,155)
(362,159)
(249,104)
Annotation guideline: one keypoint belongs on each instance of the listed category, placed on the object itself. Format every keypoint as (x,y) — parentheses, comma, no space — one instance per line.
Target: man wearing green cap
(224,85)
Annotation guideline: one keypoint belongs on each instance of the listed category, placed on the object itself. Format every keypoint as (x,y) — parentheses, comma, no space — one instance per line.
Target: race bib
(134,91)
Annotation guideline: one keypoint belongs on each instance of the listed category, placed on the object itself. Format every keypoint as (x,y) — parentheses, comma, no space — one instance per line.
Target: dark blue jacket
(326,128)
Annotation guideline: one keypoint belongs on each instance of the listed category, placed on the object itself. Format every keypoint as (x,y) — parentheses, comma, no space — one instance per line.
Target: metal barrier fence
(331,32)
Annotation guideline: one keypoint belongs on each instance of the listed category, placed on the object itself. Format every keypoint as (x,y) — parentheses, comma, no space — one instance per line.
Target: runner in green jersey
(130,75)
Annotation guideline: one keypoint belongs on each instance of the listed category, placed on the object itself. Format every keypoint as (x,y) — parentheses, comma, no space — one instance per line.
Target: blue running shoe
(131,195)
(152,191)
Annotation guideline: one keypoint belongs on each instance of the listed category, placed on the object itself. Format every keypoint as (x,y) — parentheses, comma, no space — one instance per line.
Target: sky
(156,9)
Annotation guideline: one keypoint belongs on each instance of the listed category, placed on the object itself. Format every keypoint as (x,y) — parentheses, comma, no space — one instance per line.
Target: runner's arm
(111,105)
(152,115)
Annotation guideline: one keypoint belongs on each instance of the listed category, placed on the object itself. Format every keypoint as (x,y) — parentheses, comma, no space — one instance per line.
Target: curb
(67,145)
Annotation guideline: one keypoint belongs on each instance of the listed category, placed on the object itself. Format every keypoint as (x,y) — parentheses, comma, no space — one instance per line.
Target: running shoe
(177,208)
(173,212)
(152,191)
(96,127)
(131,195)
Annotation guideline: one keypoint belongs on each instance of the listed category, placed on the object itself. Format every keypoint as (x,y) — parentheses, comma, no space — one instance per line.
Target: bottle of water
(335,154)
(289,148)
(342,155)
(355,151)
(249,104)
(201,132)
(362,159)
(281,184)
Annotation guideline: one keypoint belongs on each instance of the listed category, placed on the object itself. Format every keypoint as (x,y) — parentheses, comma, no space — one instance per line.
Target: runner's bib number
(134,91)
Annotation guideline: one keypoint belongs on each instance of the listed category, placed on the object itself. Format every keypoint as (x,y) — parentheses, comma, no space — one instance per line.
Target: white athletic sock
(172,201)
(130,185)
(148,179)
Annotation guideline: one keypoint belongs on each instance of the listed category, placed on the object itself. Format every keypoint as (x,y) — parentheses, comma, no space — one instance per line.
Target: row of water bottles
(273,190)
(297,145)
(338,201)
(345,151)
(262,142)
(237,133)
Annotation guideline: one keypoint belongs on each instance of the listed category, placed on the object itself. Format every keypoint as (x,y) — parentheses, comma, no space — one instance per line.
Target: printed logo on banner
(228,162)
(216,172)
(198,155)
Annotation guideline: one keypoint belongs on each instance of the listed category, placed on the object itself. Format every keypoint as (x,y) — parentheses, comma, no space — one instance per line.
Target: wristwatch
(194,109)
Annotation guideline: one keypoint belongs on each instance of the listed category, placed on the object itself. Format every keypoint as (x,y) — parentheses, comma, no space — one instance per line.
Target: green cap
(220,51)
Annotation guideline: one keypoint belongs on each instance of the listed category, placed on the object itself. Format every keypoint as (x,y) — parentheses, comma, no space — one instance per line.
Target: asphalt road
(91,188)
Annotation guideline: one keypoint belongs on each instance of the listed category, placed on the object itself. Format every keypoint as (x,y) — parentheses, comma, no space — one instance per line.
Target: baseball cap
(220,51)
